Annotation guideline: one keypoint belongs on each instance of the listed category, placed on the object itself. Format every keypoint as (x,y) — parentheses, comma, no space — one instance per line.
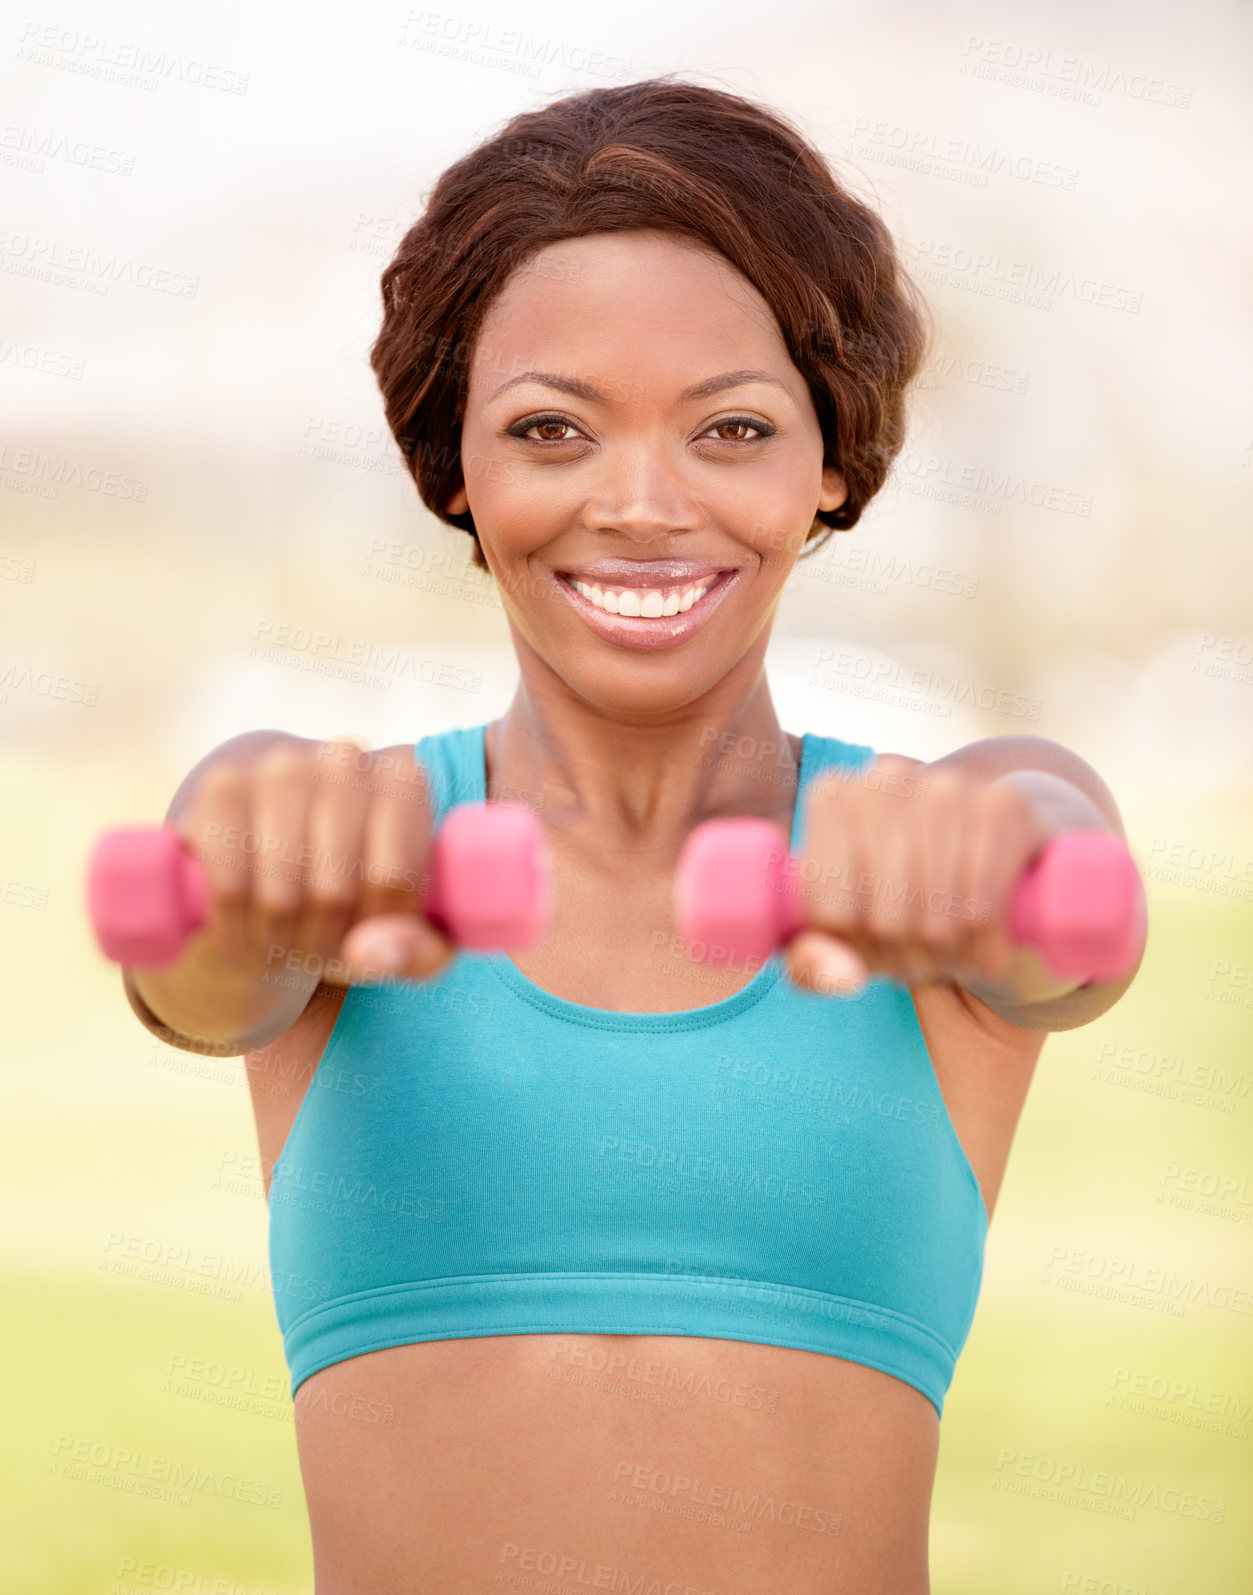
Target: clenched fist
(908,872)
(317,856)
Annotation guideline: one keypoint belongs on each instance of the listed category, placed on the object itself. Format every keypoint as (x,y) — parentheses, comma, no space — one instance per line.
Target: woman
(591,1273)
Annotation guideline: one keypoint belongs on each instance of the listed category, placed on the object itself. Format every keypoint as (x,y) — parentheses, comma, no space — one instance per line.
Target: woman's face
(634,423)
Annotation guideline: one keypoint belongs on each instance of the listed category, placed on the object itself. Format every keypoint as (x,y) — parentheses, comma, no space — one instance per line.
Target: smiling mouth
(661,601)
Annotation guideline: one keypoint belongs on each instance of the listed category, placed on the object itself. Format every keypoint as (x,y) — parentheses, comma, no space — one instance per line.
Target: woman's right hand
(317,858)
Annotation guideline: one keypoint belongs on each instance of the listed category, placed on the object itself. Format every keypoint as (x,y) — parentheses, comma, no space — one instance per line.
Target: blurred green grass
(85,1352)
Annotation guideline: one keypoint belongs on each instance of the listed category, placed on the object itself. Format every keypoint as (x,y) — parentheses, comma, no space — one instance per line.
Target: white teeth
(646,603)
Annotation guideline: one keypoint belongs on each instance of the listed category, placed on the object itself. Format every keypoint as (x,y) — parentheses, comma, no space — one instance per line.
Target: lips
(661,573)
(646,631)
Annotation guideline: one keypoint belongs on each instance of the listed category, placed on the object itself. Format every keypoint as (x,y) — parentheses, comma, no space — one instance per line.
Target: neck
(638,780)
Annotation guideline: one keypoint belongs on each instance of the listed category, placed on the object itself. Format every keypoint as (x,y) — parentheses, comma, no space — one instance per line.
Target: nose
(642,493)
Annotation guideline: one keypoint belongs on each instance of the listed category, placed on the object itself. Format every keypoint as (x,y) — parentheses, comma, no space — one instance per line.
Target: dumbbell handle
(490,885)
(1079,903)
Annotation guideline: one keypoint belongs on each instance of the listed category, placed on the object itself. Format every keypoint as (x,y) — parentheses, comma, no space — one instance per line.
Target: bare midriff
(639,1463)
(655,1464)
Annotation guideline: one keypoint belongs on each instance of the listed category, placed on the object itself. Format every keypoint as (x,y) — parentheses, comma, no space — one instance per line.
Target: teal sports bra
(475,1156)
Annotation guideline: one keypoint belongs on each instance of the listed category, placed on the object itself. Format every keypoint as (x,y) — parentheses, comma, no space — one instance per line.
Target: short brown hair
(675,156)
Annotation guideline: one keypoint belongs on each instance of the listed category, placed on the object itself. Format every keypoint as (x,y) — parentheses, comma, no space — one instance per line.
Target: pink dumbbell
(490,885)
(1079,903)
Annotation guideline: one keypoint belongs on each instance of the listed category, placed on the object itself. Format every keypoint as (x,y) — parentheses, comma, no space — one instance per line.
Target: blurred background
(196,210)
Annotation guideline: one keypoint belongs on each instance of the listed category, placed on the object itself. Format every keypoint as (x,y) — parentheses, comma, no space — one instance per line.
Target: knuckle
(391,896)
(276,898)
(944,786)
(224,782)
(1002,797)
(326,891)
(338,747)
(285,761)
(230,887)
(941,933)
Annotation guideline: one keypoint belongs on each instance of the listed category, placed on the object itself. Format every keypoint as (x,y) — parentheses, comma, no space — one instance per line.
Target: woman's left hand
(908,871)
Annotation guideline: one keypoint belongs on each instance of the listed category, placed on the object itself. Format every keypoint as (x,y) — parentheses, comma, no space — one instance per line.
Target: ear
(834,489)
(459,503)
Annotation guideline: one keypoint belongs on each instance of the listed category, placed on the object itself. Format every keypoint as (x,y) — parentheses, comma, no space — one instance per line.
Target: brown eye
(549,428)
(742,424)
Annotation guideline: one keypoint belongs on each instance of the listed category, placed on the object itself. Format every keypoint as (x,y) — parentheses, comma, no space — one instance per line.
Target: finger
(336,836)
(280,804)
(220,806)
(889,838)
(397,840)
(395,946)
(1000,840)
(942,827)
(832,854)
(825,964)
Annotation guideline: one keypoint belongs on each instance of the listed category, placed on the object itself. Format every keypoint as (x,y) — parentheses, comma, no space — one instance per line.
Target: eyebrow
(586,390)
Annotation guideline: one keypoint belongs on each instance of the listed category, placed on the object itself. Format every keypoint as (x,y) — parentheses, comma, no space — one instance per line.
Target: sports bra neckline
(681,1019)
